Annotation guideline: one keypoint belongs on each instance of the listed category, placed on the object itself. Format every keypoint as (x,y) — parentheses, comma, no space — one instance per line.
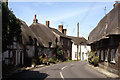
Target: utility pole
(77,36)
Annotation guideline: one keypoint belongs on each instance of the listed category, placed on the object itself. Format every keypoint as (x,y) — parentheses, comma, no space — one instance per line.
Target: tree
(10,27)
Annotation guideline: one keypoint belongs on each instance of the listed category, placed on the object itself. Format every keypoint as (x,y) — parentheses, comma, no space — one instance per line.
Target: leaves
(10,27)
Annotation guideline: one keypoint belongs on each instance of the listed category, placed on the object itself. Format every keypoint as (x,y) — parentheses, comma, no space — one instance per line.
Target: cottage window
(113,55)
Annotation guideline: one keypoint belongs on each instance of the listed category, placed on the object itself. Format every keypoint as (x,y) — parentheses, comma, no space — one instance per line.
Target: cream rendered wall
(84,49)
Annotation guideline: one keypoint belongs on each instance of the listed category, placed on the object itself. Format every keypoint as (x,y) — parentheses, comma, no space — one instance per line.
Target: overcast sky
(88,14)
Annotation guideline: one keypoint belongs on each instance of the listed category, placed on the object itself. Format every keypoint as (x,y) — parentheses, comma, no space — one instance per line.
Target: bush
(93,59)
(51,60)
(40,59)
(45,61)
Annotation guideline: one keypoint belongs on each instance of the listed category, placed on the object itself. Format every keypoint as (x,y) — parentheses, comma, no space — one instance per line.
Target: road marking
(63,67)
(61,75)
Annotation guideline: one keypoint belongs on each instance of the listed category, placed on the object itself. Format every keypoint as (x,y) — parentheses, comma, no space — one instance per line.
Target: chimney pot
(64,31)
(116,4)
(47,23)
(35,20)
(60,27)
(35,16)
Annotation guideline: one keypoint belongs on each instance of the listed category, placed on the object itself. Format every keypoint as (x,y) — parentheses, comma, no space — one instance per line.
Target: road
(76,69)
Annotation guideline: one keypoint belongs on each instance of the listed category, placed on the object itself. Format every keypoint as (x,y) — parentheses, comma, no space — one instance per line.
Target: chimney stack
(35,20)
(60,27)
(48,23)
(64,31)
(116,4)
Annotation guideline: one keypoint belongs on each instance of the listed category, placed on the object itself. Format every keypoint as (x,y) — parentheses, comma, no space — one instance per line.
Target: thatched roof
(27,33)
(78,40)
(58,32)
(112,20)
(44,34)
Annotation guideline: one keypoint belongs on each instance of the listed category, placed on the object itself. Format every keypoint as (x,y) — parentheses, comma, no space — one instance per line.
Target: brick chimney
(60,27)
(35,20)
(116,4)
(64,31)
(48,23)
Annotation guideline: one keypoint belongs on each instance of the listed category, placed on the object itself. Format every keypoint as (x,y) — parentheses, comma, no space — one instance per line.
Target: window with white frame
(106,55)
(102,55)
(113,55)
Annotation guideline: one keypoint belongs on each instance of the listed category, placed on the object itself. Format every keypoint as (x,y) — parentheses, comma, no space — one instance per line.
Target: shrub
(45,61)
(51,60)
(40,59)
(95,60)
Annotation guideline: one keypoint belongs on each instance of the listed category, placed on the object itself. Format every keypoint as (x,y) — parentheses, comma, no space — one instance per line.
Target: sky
(88,14)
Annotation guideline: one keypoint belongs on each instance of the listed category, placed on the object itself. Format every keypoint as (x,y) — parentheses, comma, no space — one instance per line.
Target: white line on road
(61,75)
(63,67)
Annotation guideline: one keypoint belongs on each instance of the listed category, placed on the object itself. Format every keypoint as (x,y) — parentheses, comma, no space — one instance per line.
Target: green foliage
(45,61)
(59,54)
(40,59)
(93,59)
(51,60)
(10,27)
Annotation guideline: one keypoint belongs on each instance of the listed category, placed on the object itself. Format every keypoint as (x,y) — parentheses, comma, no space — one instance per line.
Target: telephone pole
(77,36)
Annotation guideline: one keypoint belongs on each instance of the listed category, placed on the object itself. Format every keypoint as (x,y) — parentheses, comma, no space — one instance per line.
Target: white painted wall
(84,50)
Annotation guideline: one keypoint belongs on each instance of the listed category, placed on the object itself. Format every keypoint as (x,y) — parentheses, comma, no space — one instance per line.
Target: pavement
(105,72)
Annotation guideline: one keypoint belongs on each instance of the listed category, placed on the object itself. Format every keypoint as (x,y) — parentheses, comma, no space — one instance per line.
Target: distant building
(83,48)
(62,40)
(105,40)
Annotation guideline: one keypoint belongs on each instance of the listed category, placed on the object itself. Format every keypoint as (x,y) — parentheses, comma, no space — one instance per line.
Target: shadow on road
(27,75)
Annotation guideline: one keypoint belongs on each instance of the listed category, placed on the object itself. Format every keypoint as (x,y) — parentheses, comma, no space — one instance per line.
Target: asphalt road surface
(76,69)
